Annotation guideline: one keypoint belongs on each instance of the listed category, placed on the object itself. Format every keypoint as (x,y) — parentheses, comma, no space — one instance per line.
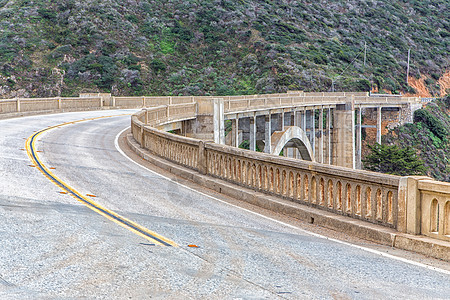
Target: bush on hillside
(433,123)
(391,159)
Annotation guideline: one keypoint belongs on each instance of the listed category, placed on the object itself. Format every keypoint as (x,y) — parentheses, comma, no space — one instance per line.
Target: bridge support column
(358,138)
(313,131)
(343,136)
(219,126)
(268,134)
(235,132)
(304,119)
(379,125)
(329,134)
(296,122)
(321,135)
(289,152)
(253,133)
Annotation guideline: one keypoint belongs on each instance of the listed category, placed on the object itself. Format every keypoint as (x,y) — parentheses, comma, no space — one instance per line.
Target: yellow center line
(111,215)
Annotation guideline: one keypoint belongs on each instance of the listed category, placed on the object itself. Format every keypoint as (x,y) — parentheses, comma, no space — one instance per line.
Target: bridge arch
(295,137)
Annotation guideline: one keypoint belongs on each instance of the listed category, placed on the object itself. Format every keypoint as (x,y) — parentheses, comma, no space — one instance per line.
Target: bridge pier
(379,125)
(218,120)
(329,134)
(253,133)
(312,114)
(344,136)
(235,131)
(321,135)
(358,138)
(268,133)
(281,121)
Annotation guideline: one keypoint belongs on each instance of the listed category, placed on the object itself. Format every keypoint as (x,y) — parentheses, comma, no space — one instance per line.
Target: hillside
(429,136)
(190,47)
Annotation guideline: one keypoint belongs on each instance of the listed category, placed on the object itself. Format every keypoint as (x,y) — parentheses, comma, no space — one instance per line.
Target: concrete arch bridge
(326,127)
(326,131)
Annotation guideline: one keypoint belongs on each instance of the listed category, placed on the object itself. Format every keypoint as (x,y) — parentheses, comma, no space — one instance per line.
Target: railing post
(18,104)
(409,210)
(146,117)
(59,102)
(143,101)
(113,101)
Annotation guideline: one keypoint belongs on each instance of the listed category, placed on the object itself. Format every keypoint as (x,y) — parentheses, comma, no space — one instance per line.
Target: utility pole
(365,52)
(407,68)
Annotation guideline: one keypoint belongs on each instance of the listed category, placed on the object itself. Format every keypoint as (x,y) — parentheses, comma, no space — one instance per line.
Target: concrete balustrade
(9,106)
(85,101)
(435,208)
(179,149)
(360,195)
(22,105)
(146,101)
(415,205)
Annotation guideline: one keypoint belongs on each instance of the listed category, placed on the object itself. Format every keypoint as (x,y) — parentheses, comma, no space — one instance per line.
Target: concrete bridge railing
(241,104)
(48,104)
(416,205)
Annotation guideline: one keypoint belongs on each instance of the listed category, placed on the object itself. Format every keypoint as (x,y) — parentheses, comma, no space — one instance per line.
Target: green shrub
(391,159)
(167,47)
(47,14)
(432,123)
(363,85)
(132,18)
(157,65)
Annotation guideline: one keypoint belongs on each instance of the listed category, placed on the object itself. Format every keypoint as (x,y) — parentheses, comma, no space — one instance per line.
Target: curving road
(54,246)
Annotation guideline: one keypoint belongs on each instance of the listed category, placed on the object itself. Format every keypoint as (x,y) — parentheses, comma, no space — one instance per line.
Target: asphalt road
(53,246)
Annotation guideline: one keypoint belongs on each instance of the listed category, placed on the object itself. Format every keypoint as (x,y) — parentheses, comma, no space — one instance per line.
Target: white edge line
(116,144)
